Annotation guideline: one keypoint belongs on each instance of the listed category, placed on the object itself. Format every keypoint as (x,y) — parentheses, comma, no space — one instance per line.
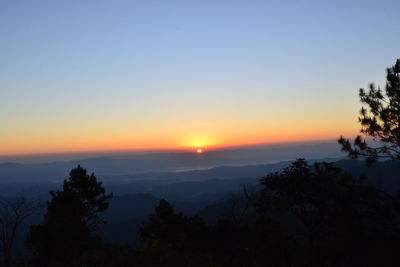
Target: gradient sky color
(109,75)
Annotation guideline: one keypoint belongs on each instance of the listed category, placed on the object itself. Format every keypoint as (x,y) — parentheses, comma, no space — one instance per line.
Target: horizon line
(167,150)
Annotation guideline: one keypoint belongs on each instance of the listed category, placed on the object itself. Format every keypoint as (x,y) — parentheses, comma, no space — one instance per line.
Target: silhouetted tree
(173,239)
(380,120)
(304,192)
(72,215)
(12,213)
(170,228)
(338,213)
(304,215)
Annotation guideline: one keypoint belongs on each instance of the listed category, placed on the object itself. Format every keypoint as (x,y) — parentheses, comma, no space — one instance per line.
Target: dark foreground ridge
(305,214)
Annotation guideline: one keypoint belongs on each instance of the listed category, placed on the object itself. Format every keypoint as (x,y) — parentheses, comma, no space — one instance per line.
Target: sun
(199,151)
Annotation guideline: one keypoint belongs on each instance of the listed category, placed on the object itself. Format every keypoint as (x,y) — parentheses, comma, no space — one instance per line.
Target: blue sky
(195,71)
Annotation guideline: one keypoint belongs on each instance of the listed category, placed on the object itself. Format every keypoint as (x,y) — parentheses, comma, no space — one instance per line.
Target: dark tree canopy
(305,215)
(379,119)
(169,228)
(339,215)
(72,215)
(311,193)
(90,193)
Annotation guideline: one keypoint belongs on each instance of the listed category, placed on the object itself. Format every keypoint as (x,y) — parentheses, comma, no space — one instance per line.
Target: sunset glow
(75,136)
(180,81)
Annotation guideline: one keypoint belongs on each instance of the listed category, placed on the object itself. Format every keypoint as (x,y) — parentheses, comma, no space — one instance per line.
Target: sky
(120,75)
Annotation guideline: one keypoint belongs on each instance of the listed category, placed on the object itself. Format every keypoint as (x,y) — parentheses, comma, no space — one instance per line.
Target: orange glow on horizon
(94,146)
(184,138)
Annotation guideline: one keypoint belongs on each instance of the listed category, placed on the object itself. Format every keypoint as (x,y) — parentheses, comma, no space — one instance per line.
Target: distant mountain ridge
(164,162)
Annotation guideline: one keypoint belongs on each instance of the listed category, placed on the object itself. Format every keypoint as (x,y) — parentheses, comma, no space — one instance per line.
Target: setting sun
(199,141)
(199,151)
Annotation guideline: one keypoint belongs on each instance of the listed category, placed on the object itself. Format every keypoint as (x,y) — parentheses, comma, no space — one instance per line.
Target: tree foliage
(379,119)
(173,239)
(72,215)
(337,212)
(305,215)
